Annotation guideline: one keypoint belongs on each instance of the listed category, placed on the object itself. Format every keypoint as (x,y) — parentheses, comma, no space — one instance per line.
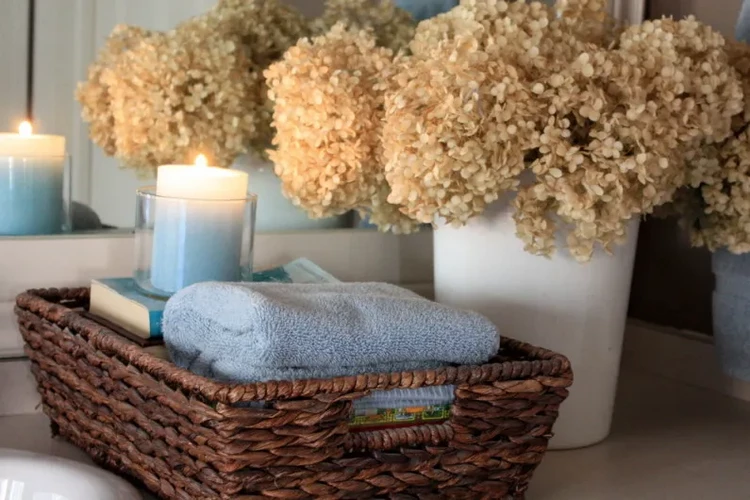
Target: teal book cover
(120,301)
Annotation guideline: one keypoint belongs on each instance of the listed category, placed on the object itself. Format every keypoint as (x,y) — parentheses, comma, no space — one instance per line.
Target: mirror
(44,66)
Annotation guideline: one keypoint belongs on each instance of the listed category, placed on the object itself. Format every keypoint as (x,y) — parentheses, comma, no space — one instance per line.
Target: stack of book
(118,304)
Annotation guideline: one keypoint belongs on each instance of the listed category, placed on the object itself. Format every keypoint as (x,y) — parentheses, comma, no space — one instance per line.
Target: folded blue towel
(248,332)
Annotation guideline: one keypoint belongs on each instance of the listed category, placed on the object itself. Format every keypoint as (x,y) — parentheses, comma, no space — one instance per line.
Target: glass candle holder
(34,195)
(183,241)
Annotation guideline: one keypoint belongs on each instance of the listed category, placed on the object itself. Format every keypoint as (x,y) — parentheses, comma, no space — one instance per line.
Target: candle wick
(201,161)
(25,129)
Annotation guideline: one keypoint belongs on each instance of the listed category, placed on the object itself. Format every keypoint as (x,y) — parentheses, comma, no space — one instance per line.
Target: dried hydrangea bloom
(393,27)
(181,93)
(589,19)
(509,30)
(94,95)
(328,95)
(455,132)
(387,216)
(624,117)
(607,122)
(717,208)
(725,221)
(266,28)
(602,119)
(154,98)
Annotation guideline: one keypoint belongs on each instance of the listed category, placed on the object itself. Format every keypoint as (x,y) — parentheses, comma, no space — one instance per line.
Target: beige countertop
(670,442)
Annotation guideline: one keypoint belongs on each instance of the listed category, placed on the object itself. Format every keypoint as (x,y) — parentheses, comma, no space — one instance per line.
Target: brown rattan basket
(187,437)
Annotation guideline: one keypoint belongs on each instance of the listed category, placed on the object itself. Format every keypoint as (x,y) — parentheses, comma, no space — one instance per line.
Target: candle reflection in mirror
(32,169)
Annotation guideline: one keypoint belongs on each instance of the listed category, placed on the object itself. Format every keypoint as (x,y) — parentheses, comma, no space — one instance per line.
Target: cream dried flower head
(155,98)
(266,29)
(455,132)
(623,116)
(178,93)
(205,78)
(610,112)
(392,26)
(328,95)
(717,204)
(94,94)
(591,123)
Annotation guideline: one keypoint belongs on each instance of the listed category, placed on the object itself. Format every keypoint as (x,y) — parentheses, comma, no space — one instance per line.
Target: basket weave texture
(186,437)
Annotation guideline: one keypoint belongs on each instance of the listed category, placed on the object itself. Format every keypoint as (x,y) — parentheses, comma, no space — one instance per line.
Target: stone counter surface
(670,442)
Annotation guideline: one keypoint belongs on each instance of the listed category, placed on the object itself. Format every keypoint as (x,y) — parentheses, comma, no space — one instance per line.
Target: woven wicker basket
(187,437)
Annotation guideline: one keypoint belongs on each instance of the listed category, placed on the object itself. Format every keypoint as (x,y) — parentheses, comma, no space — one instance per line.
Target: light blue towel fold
(275,331)
(407,398)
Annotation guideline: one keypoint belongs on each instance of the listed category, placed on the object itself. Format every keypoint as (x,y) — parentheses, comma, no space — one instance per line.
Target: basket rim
(44,303)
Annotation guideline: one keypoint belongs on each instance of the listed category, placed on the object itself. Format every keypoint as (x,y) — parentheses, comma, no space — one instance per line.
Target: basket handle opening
(389,439)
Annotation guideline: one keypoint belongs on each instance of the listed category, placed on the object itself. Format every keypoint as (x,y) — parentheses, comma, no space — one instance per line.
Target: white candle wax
(198,182)
(26,144)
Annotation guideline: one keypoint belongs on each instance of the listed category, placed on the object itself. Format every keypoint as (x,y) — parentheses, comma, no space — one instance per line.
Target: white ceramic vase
(275,212)
(575,309)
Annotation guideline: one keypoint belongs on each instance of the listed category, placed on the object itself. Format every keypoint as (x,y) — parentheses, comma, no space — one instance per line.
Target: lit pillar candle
(31,182)
(198,225)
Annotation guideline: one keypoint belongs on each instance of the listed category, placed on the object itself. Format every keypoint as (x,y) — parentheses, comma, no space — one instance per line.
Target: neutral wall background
(721,14)
(13,62)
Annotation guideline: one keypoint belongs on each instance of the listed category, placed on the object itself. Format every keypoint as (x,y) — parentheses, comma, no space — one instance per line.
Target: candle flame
(25,129)
(201,161)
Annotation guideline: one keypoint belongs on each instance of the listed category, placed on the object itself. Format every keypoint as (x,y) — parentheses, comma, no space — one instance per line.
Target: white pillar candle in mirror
(32,169)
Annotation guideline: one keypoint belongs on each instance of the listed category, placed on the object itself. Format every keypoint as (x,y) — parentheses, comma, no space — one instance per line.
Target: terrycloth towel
(274,331)
(407,398)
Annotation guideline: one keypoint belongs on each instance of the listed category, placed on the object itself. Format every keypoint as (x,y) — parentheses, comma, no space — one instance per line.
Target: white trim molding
(64,46)
(14,36)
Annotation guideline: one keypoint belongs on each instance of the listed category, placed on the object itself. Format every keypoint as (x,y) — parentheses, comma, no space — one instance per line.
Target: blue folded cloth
(252,332)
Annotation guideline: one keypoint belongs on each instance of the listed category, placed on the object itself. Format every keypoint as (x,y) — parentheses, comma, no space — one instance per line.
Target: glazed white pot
(575,309)
(32,476)
(275,212)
